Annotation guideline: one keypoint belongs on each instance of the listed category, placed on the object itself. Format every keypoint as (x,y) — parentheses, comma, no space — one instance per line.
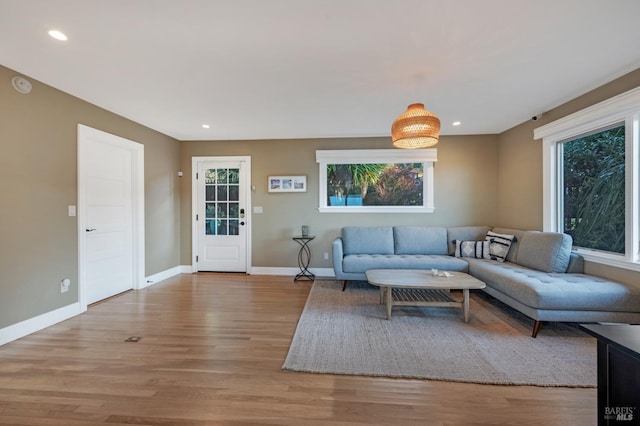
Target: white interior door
(221,215)
(106,214)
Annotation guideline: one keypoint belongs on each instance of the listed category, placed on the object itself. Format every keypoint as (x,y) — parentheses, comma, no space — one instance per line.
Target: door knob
(90,230)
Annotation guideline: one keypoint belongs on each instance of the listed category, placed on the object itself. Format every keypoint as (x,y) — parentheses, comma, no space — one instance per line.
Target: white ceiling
(267,69)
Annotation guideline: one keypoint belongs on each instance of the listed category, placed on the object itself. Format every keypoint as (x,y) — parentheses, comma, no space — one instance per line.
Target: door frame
(85,134)
(195,162)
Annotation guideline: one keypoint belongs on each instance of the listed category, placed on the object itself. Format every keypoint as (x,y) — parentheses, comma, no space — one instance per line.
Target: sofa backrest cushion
(545,251)
(367,240)
(512,255)
(420,240)
(465,233)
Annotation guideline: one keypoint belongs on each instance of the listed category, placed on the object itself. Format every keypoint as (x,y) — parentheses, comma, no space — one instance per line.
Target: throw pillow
(476,249)
(499,245)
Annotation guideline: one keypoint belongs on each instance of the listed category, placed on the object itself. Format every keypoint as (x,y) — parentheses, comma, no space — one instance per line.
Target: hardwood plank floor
(211,351)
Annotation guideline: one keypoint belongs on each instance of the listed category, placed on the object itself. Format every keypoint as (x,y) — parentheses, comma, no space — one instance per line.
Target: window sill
(376,209)
(609,260)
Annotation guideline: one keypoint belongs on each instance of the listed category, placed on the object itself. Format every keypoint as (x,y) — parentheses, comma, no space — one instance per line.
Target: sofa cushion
(499,245)
(475,249)
(559,291)
(545,251)
(465,233)
(515,244)
(367,239)
(420,240)
(360,263)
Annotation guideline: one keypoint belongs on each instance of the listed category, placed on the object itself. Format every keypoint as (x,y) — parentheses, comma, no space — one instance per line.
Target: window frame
(376,156)
(624,108)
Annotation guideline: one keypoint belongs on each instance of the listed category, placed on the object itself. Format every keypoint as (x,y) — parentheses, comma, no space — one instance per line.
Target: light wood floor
(211,354)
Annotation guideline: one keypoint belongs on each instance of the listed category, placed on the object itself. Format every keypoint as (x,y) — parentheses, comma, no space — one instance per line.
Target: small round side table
(304,257)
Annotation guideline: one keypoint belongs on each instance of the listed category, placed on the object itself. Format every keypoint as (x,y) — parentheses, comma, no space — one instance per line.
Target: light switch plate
(72,210)
(257,209)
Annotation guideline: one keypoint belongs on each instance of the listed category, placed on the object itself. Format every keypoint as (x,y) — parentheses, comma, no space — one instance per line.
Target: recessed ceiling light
(205,126)
(58,35)
(456,123)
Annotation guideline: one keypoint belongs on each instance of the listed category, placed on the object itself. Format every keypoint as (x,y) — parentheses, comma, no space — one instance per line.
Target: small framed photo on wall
(287,184)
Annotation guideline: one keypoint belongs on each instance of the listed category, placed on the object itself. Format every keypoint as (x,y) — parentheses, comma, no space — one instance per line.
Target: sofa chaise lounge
(539,275)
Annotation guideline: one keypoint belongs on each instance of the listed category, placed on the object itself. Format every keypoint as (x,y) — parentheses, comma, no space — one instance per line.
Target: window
(591,186)
(593,207)
(382,180)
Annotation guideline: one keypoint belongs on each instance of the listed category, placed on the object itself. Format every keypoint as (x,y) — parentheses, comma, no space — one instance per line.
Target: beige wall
(520,178)
(39,241)
(520,169)
(465,192)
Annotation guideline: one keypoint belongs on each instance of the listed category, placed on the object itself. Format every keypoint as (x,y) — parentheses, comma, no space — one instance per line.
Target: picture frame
(287,183)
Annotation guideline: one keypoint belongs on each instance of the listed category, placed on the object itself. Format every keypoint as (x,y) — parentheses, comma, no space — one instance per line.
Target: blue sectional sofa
(540,276)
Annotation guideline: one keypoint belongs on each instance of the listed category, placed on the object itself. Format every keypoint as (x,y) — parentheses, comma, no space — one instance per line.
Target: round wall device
(21,85)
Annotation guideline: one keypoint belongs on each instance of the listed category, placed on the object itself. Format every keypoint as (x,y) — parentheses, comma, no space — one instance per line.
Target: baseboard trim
(163,275)
(319,272)
(268,270)
(26,327)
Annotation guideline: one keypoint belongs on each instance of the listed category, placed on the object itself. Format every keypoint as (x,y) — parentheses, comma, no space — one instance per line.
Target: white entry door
(106,206)
(221,216)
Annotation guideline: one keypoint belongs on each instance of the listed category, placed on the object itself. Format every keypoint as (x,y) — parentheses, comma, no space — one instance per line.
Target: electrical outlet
(326,255)
(64,285)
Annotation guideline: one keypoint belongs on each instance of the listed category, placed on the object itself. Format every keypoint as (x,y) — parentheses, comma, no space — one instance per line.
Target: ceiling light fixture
(58,35)
(456,123)
(415,128)
(205,126)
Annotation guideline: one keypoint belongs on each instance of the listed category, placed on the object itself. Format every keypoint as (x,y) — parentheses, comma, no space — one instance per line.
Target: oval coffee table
(419,287)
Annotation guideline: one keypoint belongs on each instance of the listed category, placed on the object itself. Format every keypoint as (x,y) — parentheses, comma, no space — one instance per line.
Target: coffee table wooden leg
(465,303)
(382,294)
(389,303)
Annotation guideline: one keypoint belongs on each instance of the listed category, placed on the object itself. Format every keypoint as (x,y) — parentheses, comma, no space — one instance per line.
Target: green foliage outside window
(594,190)
(395,184)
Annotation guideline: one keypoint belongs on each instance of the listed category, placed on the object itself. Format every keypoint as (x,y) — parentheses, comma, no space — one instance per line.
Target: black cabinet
(618,373)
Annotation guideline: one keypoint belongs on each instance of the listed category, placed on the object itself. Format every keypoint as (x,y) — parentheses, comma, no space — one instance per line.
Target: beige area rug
(348,333)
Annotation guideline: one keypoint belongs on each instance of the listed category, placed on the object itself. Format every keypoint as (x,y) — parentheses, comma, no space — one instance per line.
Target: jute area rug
(348,333)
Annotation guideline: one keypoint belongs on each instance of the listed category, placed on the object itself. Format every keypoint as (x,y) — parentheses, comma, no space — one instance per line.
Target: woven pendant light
(415,128)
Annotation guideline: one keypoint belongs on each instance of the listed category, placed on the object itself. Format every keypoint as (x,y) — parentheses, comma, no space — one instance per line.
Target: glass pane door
(222,201)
